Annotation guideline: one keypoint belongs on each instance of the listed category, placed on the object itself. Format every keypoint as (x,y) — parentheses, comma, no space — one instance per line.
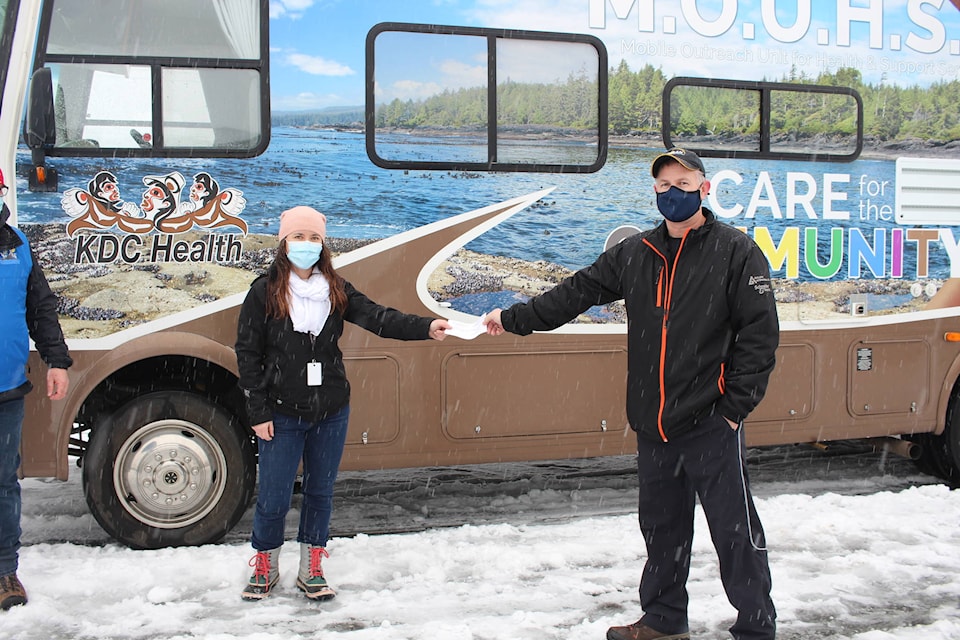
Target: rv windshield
(178,77)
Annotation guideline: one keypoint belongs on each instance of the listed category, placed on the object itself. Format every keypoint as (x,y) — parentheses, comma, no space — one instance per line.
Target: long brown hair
(278,283)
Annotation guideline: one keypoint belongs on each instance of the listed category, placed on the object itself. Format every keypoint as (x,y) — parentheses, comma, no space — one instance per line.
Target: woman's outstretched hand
(439,328)
(492,322)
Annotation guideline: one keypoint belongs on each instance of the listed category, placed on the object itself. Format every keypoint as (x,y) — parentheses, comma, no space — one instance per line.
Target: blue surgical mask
(678,205)
(304,255)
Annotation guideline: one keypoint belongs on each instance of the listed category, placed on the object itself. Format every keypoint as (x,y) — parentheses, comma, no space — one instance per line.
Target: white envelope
(467,330)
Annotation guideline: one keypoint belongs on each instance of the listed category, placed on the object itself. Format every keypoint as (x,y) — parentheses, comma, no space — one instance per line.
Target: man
(702,330)
(28,309)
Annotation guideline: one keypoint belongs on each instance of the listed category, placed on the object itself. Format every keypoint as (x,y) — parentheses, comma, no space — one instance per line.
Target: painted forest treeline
(891,112)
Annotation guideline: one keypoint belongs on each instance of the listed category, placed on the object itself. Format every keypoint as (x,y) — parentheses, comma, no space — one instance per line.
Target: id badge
(314,374)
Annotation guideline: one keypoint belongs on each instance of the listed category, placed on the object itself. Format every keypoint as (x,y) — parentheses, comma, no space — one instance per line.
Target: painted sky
(317,57)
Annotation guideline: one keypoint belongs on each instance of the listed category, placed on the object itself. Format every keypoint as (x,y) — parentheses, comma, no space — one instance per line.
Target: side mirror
(40,130)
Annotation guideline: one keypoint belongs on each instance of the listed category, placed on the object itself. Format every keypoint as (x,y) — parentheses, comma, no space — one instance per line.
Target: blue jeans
(320,445)
(11,419)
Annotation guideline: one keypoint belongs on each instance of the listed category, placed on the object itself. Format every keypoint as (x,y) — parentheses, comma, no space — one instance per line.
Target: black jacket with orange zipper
(702,326)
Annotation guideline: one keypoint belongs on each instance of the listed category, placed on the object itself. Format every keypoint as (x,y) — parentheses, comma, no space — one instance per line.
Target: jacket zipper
(665,299)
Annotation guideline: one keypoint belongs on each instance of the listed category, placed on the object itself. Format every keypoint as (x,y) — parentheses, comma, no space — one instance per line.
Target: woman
(291,371)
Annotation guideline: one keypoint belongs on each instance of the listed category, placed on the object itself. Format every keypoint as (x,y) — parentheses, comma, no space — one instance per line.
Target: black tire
(940,454)
(949,442)
(931,461)
(169,469)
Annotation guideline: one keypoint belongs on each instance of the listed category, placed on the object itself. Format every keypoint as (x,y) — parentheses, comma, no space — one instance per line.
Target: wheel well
(160,373)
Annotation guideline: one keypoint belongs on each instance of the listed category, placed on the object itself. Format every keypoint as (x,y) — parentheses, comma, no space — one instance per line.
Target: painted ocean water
(329,170)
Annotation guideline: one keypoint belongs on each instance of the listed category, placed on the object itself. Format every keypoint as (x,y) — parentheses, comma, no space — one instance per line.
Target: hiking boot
(11,592)
(310,578)
(640,631)
(266,573)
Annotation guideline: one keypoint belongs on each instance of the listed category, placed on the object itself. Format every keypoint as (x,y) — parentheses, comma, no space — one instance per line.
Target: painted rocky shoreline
(95,300)
(873,148)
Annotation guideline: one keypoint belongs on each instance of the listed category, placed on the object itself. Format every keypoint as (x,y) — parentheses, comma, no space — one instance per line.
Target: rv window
(446,94)
(715,118)
(814,123)
(181,79)
(567,83)
(764,120)
(224,115)
(101,105)
(461,98)
(109,106)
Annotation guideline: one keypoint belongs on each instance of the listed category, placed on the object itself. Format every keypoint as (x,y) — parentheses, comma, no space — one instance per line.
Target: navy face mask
(678,205)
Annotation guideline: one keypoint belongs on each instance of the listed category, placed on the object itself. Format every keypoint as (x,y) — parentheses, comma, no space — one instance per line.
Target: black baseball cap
(688,159)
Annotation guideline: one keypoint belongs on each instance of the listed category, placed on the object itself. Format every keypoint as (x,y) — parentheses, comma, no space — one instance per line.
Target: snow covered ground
(862,548)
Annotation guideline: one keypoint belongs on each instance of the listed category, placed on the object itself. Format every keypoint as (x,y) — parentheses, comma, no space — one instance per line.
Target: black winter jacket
(273,358)
(701,330)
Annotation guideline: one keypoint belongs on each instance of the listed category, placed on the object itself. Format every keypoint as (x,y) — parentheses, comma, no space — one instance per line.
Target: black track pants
(708,462)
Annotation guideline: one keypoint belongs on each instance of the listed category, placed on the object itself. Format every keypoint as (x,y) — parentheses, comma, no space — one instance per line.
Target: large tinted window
(462,98)
(765,120)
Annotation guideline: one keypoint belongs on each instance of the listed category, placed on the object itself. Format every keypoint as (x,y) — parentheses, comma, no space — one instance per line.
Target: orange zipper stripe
(667,300)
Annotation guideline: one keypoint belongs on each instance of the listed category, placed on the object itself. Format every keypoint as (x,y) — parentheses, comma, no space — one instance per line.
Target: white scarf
(309,302)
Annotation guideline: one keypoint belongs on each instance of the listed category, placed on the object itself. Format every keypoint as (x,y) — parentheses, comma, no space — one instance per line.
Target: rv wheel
(949,441)
(941,453)
(932,460)
(169,469)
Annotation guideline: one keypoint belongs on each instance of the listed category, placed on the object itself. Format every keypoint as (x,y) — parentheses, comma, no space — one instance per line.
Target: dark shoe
(640,631)
(11,592)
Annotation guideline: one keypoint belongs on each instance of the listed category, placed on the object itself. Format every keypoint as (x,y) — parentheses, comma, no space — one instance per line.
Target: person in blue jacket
(28,309)
(702,330)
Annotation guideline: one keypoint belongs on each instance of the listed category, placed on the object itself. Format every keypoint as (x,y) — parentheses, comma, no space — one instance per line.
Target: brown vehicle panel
(905,390)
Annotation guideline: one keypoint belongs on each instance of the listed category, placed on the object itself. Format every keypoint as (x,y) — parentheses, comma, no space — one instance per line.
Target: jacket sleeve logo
(761,284)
